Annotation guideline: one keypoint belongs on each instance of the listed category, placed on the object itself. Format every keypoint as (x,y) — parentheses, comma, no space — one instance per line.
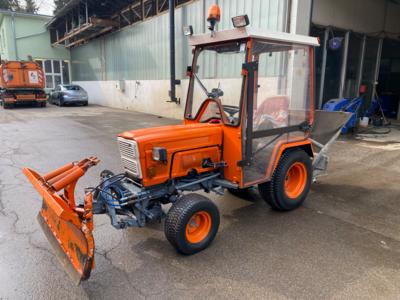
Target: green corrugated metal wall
(141,51)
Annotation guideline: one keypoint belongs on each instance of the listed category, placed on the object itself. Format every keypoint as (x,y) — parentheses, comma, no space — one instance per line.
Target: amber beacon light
(214,16)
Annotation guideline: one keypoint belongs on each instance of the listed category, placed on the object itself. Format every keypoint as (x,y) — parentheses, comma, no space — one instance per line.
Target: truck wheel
(191,224)
(290,182)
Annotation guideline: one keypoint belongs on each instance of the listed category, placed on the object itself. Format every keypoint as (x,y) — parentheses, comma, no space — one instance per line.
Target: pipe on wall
(344,64)
(173,81)
(361,64)
(323,68)
(14,35)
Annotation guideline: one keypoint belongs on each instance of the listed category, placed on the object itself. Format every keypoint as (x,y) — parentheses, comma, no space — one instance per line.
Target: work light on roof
(188,30)
(240,21)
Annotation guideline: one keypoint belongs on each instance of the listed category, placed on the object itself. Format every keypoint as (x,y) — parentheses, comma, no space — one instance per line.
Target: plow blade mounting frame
(67,227)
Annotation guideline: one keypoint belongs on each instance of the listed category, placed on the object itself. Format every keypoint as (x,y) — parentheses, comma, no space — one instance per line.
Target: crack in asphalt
(105,255)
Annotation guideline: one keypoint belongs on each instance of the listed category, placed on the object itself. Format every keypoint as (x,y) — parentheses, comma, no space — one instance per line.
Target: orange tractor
(21,82)
(248,122)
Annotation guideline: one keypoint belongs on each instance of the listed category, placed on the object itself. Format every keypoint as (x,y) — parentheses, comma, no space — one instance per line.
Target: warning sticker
(33,77)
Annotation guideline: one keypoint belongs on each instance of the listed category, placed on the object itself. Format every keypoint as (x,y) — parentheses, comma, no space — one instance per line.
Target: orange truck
(22,82)
(249,120)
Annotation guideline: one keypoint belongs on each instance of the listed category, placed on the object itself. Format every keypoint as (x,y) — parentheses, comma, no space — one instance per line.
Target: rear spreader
(261,134)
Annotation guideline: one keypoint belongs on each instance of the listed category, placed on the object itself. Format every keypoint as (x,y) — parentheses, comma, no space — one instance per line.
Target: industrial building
(120,51)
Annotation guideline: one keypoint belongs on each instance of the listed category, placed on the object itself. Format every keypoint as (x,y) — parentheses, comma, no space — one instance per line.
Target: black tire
(178,219)
(276,194)
(85,103)
(60,102)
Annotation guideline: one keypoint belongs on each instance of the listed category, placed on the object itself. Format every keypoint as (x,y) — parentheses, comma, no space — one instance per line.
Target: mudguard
(67,227)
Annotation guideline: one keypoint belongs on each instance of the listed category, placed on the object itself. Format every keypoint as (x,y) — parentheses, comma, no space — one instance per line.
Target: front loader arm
(67,227)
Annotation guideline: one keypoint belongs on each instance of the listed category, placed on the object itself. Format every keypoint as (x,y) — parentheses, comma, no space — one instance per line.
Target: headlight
(160,154)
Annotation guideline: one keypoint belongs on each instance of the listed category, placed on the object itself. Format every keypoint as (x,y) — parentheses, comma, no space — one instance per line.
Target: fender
(279,149)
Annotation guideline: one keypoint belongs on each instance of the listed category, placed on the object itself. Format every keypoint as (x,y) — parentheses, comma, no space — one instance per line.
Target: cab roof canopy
(246,32)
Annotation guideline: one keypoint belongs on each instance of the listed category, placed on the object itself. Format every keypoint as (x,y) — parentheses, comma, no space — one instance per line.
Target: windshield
(216,74)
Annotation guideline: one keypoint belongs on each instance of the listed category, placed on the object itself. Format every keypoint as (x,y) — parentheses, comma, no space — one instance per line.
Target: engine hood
(172,133)
(176,139)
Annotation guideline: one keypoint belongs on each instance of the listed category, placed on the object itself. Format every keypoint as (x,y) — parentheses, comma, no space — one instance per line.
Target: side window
(283,85)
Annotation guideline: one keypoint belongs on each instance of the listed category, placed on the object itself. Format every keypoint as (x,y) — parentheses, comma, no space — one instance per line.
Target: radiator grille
(127,148)
(130,156)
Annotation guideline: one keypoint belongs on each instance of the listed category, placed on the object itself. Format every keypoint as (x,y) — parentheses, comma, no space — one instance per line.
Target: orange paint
(214,13)
(296,180)
(176,139)
(22,81)
(198,227)
(70,227)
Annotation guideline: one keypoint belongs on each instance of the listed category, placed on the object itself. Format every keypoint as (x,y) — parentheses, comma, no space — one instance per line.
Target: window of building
(56,71)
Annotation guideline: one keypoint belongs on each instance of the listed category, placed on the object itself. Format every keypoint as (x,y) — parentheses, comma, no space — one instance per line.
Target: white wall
(148,96)
(364,16)
(151,96)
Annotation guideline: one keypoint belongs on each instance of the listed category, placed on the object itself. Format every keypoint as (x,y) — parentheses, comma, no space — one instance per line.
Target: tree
(59,4)
(4,4)
(30,6)
(10,5)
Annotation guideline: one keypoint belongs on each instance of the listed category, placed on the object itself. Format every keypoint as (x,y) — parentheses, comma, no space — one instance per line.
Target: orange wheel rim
(296,180)
(198,227)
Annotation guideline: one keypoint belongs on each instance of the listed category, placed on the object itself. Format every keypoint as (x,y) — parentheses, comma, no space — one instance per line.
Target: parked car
(68,94)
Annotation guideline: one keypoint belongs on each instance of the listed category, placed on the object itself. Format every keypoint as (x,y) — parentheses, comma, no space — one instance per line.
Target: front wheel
(290,182)
(60,101)
(191,224)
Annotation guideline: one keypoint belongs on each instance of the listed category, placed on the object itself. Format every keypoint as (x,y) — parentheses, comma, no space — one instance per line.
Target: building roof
(246,32)
(23,14)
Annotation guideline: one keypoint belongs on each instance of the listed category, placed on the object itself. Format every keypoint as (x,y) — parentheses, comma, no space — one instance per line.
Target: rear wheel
(290,182)
(191,223)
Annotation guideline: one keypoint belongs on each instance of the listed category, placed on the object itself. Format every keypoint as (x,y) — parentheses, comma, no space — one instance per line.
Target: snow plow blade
(67,226)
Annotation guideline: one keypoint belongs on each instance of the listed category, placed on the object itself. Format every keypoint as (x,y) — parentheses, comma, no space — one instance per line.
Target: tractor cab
(258,86)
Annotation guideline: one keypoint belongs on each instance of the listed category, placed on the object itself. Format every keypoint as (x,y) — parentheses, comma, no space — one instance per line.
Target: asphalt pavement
(344,243)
